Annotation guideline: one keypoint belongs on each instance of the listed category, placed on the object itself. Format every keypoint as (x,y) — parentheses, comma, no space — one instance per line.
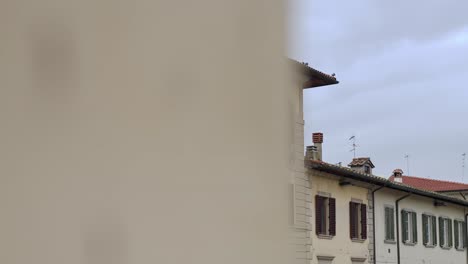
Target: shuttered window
(325,216)
(357,221)
(459,232)
(409,226)
(445,232)
(429,229)
(389,224)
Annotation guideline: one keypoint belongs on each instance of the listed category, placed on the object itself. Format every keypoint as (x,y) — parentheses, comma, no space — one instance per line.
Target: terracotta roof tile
(361,162)
(432,185)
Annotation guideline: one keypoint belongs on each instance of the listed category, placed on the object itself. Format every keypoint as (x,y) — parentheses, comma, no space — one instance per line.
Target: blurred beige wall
(144,132)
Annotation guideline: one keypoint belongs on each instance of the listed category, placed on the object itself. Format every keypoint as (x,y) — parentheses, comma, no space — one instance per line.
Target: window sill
(358,240)
(460,249)
(409,243)
(430,246)
(325,237)
(445,248)
(389,241)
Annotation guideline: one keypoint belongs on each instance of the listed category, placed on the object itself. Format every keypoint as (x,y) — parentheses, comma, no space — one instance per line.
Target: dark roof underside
(316,78)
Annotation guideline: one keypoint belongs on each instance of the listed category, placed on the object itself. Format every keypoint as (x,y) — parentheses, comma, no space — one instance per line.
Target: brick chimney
(398,175)
(317,138)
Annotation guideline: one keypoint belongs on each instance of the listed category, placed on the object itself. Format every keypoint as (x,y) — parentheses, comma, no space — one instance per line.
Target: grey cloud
(401,67)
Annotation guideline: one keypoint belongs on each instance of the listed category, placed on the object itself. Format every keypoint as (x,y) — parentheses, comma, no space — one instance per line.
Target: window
(389,224)
(357,220)
(367,169)
(409,226)
(460,231)
(445,232)
(325,216)
(429,223)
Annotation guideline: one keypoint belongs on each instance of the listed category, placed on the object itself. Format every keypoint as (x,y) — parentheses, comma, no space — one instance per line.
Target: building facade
(304,77)
(339,215)
(405,225)
(429,231)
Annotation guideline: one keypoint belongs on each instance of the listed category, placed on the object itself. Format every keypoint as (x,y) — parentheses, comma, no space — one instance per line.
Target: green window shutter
(392,223)
(404,226)
(425,229)
(456,233)
(441,231)
(450,237)
(387,223)
(434,230)
(464,234)
(414,223)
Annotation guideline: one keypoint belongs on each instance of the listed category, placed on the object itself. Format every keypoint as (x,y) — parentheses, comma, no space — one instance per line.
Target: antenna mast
(353,138)
(463,165)
(407,164)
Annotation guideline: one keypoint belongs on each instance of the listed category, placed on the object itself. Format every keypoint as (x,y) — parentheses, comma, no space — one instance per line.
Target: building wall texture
(418,254)
(300,183)
(340,247)
(145,132)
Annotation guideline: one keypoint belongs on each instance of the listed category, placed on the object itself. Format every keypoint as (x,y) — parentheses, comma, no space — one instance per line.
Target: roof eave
(381,182)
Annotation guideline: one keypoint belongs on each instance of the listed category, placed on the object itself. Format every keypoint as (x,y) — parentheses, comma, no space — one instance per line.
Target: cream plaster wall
(341,247)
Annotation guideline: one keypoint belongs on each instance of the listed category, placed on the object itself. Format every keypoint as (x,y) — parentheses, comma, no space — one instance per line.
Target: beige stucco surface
(144,132)
(341,247)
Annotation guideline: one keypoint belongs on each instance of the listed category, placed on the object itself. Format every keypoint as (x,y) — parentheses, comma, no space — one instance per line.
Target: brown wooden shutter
(332,216)
(352,220)
(364,221)
(318,215)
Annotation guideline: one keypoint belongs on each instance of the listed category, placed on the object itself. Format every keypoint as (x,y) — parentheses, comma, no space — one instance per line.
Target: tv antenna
(463,165)
(407,164)
(353,138)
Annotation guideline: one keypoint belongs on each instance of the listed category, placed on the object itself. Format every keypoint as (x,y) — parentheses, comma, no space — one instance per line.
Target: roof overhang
(315,78)
(379,181)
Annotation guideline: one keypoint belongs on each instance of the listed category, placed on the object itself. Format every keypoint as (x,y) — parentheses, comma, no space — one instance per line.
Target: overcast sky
(403,72)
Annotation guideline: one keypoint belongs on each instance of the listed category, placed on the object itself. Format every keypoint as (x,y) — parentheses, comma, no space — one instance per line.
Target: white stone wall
(298,178)
(416,254)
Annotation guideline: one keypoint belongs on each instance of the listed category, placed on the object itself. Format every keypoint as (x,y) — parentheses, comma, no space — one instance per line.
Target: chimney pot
(397,175)
(317,137)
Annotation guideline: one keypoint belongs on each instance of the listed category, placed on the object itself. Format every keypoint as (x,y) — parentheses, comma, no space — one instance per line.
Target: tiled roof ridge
(437,180)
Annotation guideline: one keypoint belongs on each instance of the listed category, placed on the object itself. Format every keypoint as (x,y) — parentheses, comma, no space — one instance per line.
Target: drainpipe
(398,225)
(373,221)
(466,236)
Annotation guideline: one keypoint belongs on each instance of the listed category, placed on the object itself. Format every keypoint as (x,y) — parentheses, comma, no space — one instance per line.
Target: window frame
(412,231)
(389,230)
(446,225)
(431,230)
(459,237)
(360,221)
(326,222)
